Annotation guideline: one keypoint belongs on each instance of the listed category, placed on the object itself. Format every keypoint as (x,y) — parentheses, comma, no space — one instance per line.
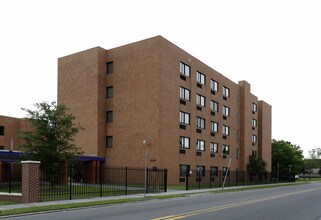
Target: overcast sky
(275,45)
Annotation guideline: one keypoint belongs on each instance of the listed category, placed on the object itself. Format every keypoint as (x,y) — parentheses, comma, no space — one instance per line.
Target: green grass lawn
(7,203)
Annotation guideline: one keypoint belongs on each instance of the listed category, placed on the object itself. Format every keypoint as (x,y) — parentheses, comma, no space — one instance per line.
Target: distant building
(9,132)
(152,94)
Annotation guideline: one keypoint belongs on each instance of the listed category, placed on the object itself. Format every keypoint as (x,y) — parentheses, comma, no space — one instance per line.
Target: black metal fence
(10,177)
(77,181)
(194,179)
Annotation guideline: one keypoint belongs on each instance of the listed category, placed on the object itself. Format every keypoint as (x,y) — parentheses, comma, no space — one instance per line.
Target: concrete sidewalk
(109,198)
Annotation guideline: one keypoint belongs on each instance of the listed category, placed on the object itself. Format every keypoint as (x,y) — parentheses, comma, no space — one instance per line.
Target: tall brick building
(152,94)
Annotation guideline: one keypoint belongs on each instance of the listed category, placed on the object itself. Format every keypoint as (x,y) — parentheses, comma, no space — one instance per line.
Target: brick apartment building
(152,94)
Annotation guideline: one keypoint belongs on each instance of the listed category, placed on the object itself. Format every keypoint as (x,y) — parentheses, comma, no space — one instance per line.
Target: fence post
(236,177)
(70,182)
(147,180)
(30,181)
(165,180)
(186,179)
(9,173)
(100,167)
(126,183)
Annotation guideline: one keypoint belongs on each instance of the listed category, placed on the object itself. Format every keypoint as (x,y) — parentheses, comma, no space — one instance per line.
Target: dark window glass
(110,67)
(1,147)
(183,169)
(200,170)
(109,92)
(214,171)
(109,141)
(225,171)
(109,116)
(2,130)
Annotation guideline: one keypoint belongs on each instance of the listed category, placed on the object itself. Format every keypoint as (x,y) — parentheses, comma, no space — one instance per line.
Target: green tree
(315,153)
(308,165)
(288,157)
(256,167)
(51,138)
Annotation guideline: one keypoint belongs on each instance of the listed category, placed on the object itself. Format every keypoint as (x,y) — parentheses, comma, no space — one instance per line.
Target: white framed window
(254,138)
(226,110)
(184,118)
(214,127)
(200,100)
(226,92)
(213,147)
(254,123)
(184,93)
(185,69)
(225,149)
(214,106)
(214,85)
(184,142)
(226,130)
(200,122)
(254,107)
(200,78)
(200,145)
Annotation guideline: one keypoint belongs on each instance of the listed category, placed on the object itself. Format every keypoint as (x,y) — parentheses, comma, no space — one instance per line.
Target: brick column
(30,181)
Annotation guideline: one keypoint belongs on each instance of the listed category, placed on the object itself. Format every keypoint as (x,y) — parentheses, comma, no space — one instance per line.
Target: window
(200,170)
(109,116)
(225,171)
(184,118)
(226,130)
(254,107)
(109,141)
(200,122)
(200,100)
(200,78)
(110,67)
(214,85)
(184,142)
(1,147)
(109,92)
(214,171)
(226,92)
(226,149)
(214,106)
(213,147)
(2,130)
(183,170)
(214,127)
(185,69)
(226,110)
(254,138)
(184,93)
(254,123)
(200,145)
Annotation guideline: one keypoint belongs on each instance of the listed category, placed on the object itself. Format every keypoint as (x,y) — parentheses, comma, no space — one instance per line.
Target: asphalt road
(301,202)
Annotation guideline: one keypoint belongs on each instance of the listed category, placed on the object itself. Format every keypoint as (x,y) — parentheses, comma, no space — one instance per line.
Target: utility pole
(228,168)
